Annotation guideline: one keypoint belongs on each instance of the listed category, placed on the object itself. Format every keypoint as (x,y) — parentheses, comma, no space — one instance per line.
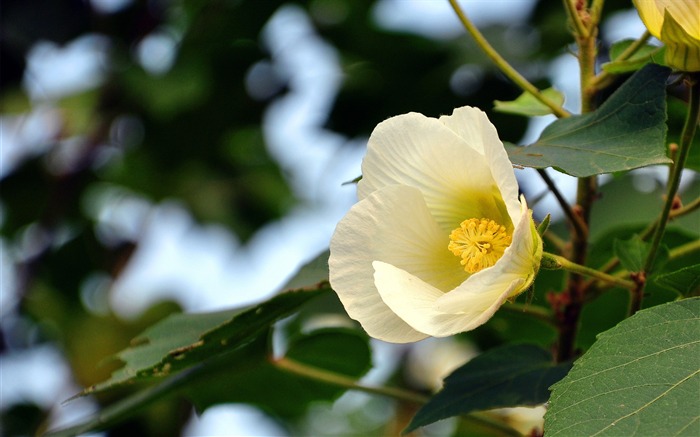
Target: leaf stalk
(557,261)
(332,378)
(579,226)
(687,134)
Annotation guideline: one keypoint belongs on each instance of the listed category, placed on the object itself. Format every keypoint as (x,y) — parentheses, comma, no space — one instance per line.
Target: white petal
(391,225)
(474,127)
(417,302)
(422,152)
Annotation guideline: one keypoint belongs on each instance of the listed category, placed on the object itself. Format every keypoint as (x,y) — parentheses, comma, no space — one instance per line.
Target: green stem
(646,233)
(550,260)
(587,60)
(596,12)
(503,65)
(579,226)
(571,303)
(687,134)
(603,79)
(688,208)
(632,48)
(396,393)
(691,123)
(345,382)
(684,250)
(580,29)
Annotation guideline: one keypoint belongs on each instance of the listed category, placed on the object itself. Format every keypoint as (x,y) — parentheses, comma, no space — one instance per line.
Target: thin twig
(687,134)
(580,29)
(503,65)
(337,380)
(684,250)
(346,382)
(579,226)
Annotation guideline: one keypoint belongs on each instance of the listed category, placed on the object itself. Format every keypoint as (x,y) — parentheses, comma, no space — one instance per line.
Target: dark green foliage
(504,377)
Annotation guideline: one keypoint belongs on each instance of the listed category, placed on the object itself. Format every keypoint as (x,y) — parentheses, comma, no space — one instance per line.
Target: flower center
(479,242)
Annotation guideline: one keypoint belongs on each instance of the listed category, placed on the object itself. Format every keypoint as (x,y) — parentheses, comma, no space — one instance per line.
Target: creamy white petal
(391,225)
(474,127)
(422,152)
(416,302)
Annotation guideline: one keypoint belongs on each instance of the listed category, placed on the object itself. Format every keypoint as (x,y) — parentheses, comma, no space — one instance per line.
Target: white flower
(438,240)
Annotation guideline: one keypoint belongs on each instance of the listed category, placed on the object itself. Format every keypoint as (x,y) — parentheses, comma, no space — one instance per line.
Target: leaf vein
(648,403)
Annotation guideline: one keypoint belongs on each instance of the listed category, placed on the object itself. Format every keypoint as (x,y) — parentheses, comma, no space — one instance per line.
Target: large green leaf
(183,340)
(249,375)
(509,376)
(628,131)
(640,378)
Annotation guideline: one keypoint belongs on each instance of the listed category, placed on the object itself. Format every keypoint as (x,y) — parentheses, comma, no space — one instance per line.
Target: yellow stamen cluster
(479,242)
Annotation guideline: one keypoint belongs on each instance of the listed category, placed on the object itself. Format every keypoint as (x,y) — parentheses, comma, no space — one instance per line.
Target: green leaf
(640,378)
(242,376)
(628,131)
(311,274)
(685,281)
(610,308)
(542,227)
(632,253)
(183,340)
(644,55)
(508,376)
(125,408)
(526,104)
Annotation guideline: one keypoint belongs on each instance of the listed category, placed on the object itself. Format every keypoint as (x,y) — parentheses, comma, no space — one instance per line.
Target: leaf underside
(628,131)
(184,340)
(508,376)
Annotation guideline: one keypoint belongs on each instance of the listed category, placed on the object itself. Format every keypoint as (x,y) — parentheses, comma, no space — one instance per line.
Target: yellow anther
(479,242)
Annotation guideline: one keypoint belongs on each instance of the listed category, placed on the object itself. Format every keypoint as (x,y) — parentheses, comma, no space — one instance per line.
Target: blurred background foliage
(190,128)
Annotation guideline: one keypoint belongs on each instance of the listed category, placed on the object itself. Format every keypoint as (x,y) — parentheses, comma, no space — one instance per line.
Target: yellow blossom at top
(439,239)
(677,24)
